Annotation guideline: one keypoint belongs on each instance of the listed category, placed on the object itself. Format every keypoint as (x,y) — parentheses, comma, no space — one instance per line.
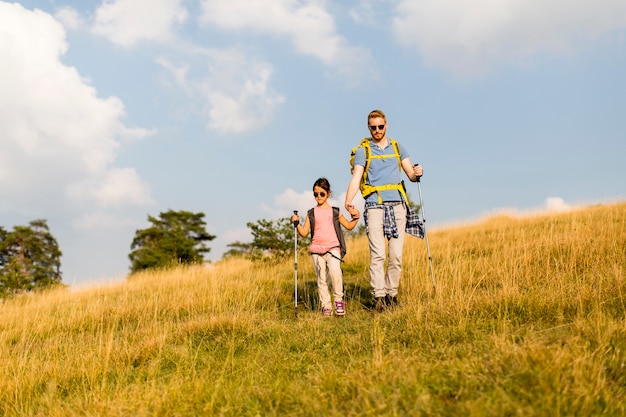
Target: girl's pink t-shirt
(324,235)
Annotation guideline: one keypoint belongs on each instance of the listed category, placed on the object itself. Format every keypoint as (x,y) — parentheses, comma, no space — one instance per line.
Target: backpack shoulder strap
(396,148)
(339,231)
(311,215)
(365,143)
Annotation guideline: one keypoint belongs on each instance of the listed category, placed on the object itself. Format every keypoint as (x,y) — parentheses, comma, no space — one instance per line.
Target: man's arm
(413,172)
(353,186)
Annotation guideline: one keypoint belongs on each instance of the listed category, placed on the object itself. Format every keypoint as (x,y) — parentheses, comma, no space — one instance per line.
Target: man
(385,211)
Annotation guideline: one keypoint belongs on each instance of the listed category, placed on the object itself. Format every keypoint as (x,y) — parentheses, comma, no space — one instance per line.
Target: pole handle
(418,178)
(296,222)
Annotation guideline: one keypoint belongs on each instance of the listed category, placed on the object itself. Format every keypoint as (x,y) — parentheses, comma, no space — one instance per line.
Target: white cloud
(118,187)
(552,204)
(69,18)
(557,204)
(244,106)
(55,132)
(364,12)
(309,26)
(241,234)
(290,200)
(467,38)
(234,89)
(127,22)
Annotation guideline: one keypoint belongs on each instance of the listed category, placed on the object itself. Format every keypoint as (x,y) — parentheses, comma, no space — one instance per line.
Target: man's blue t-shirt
(382,171)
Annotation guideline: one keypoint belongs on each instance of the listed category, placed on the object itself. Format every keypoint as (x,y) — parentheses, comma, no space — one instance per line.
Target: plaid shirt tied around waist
(414,225)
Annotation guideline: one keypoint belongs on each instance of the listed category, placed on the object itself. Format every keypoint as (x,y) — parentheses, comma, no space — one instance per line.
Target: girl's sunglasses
(322,194)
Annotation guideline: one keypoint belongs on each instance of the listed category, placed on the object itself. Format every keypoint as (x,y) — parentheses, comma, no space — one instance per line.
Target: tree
(175,237)
(274,238)
(4,258)
(238,248)
(30,258)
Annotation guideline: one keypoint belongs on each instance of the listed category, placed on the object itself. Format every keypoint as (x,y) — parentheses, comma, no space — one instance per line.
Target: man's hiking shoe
(340,308)
(391,301)
(380,304)
(327,312)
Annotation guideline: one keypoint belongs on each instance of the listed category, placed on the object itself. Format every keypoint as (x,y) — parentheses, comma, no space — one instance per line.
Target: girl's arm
(303,230)
(352,223)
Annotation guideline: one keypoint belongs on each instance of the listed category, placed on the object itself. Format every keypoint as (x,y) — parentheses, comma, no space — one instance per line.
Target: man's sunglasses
(373,128)
(322,194)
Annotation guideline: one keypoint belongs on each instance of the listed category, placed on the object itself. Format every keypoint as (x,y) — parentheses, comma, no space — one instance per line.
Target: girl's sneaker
(327,312)
(340,308)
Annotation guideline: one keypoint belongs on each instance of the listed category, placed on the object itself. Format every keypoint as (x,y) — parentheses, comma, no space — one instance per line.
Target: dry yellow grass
(528,319)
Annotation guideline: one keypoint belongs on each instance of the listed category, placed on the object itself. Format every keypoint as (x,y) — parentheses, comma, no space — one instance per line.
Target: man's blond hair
(376,113)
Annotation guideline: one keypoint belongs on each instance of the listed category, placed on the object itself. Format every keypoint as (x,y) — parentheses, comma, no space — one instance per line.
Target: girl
(327,244)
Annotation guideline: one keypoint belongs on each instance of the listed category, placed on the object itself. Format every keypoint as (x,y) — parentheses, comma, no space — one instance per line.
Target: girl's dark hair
(323,184)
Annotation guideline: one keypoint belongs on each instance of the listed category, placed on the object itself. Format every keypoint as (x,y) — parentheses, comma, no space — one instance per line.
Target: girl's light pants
(328,270)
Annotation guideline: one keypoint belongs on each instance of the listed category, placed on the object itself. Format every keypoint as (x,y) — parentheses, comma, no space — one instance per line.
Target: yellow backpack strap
(396,148)
(367,189)
(365,143)
(376,189)
(396,153)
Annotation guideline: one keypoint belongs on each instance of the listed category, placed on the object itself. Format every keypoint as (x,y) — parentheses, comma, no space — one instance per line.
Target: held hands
(354,213)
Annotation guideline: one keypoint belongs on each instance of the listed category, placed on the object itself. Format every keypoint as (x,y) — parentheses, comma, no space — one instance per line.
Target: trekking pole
(430,259)
(295,263)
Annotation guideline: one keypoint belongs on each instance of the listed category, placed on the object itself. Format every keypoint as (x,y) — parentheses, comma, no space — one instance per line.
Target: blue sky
(114,110)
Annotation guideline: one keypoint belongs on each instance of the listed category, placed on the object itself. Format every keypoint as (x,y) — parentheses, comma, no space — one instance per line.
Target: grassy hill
(528,319)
